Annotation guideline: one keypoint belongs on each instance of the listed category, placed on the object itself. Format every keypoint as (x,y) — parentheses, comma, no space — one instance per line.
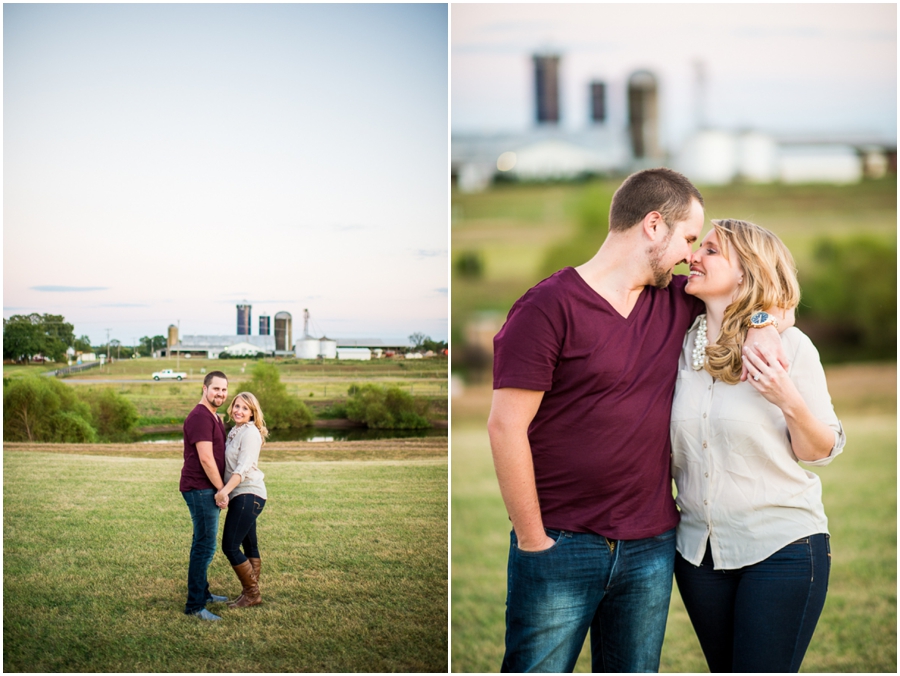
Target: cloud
(430,253)
(124,305)
(257,303)
(348,228)
(67,289)
(443,290)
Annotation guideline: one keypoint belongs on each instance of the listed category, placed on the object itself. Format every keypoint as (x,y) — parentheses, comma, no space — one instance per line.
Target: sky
(817,69)
(164,163)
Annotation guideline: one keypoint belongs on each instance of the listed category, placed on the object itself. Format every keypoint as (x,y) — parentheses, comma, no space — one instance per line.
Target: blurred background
(784,115)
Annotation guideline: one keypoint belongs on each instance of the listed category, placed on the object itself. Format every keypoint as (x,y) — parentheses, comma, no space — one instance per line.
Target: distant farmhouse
(709,157)
(277,344)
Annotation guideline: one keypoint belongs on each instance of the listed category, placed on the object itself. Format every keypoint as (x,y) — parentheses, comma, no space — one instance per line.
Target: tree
(417,339)
(59,335)
(148,345)
(83,344)
(434,345)
(280,409)
(24,336)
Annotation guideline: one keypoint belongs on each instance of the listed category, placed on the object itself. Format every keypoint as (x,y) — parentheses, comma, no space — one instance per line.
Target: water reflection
(316,434)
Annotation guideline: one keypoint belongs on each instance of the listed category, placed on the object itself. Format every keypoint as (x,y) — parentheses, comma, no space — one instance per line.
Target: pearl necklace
(698,355)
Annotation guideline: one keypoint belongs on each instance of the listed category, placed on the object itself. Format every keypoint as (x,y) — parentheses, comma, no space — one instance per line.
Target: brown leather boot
(256,564)
(250,594)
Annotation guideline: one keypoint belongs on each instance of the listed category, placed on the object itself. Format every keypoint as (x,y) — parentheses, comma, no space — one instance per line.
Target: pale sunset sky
(165,162)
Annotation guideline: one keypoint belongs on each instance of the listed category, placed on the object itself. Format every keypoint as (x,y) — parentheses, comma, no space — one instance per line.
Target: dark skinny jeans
(240,528)
(760,618)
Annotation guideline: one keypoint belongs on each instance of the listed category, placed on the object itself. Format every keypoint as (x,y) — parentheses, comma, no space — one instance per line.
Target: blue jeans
(618,590)
(205,515)
(240,528)
(760,618)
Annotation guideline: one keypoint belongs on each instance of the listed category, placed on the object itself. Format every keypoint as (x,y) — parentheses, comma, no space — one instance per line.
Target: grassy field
(512,228)
(354,562)
(319,384)
(857,631)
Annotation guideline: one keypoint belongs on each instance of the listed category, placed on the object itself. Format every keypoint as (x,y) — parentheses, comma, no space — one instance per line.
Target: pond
(319,434)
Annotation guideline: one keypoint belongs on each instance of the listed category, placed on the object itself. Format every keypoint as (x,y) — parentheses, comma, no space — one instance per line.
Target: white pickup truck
(168,374)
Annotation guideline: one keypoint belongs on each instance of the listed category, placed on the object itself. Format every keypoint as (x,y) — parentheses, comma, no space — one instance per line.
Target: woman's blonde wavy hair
(770,280)
(256,414)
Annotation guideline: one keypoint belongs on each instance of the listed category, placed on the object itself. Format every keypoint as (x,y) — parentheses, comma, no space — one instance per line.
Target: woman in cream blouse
(753,546)
(245,494)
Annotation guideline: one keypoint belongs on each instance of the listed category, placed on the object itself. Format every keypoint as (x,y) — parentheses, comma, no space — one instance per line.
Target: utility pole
(178,352)
(107,344)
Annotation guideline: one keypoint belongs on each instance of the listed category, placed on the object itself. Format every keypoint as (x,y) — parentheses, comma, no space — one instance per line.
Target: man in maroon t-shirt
(201,477)
(584,373)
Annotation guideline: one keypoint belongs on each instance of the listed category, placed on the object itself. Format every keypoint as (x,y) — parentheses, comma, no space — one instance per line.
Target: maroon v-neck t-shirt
(201,425)
(600,439)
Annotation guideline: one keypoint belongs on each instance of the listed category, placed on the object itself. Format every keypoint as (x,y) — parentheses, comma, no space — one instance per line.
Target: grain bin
(328,348)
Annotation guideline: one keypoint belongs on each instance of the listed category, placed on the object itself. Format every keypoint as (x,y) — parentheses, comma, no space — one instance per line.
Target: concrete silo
(172,339)
(643,114)
(283,340)
(546,88)
(328,348)
(265,326)
(243,320)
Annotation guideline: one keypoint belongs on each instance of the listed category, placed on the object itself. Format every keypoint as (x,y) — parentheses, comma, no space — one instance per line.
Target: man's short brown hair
(660,189)
(213,374)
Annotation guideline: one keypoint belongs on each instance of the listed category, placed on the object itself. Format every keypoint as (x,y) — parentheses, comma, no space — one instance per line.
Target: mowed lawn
(354,574)
(856,633)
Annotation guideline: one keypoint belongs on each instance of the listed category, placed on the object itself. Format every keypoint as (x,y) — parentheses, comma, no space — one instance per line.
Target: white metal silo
(328,348)
(757,157)
(307,348)
(709,158)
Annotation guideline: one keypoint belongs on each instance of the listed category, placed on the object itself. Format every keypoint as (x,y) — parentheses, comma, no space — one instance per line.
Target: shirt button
(705,502)
(704,415)
(706,474)
(704,444)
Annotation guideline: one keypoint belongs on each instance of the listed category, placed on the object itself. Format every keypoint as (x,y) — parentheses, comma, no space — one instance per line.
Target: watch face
(759,318)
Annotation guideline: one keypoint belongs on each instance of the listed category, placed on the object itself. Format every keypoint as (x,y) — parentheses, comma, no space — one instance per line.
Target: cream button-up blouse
(242,457)
(738,481)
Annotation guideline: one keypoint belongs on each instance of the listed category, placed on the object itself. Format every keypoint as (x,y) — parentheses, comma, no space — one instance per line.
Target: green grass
(857,630)
(514,227)
(318,384)
(95,563)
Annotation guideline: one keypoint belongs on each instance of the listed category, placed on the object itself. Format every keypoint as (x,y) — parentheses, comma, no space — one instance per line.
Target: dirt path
(277,451)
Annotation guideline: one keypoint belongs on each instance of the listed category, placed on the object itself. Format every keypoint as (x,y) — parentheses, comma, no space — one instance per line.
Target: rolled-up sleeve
(809,377)
(248,452)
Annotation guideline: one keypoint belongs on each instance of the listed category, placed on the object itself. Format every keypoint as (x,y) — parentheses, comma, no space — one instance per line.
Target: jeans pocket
(557,536)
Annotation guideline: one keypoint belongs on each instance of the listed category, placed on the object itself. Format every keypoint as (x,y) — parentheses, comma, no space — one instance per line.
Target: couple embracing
(613,378)
(221,472)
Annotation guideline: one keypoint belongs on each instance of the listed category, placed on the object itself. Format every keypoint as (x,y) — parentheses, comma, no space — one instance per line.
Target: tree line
(50,336)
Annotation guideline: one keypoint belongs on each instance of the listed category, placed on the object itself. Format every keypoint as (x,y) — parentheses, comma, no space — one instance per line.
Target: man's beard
(661,276)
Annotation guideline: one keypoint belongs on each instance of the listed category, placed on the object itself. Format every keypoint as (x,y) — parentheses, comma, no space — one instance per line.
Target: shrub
(849,304)
(44,409)
(386,408)
(280,409)
(114,417)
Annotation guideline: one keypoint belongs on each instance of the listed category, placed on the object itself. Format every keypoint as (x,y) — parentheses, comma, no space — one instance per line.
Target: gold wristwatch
(760,319)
